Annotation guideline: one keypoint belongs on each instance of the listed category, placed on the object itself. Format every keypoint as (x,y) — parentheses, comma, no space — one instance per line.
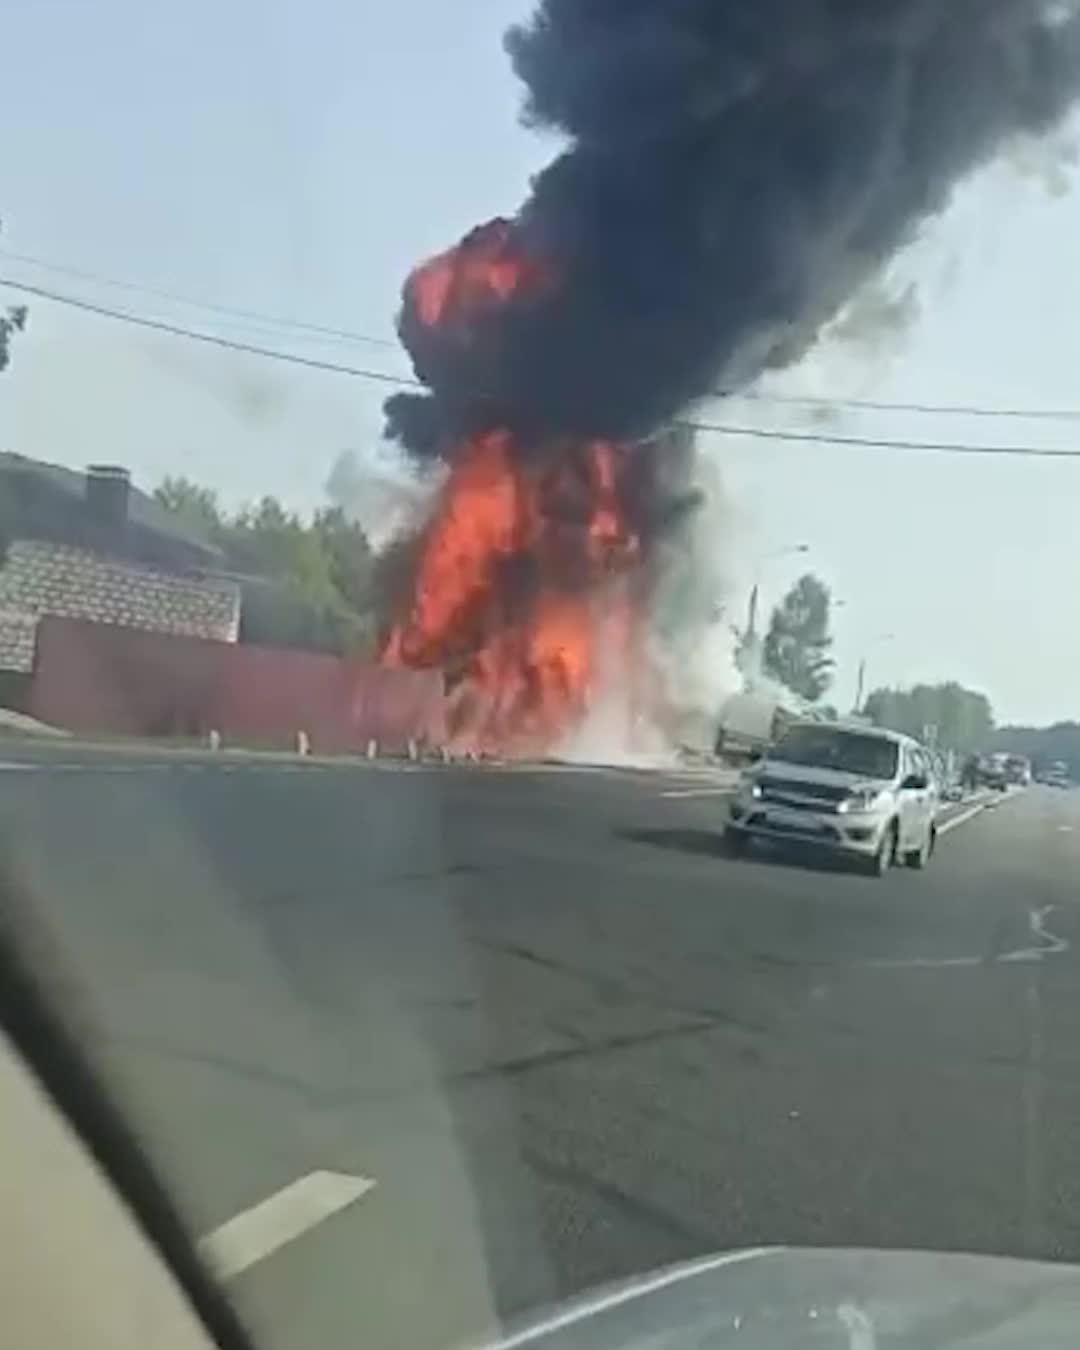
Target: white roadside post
(213,740)
(303,743)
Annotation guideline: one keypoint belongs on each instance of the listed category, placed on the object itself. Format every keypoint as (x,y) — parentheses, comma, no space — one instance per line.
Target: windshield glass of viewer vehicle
(537,718)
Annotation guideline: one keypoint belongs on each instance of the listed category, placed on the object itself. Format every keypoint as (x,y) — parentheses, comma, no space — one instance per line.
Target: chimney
(107,490)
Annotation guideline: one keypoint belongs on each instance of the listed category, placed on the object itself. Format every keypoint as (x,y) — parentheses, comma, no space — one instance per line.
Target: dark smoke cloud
(736,169)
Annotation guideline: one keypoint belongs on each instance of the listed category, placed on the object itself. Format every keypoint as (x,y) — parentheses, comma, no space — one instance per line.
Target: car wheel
(735,842)
(885,856)
(919,857)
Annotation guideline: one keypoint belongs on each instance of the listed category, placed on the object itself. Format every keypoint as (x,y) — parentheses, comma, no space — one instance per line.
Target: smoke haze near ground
(381,491)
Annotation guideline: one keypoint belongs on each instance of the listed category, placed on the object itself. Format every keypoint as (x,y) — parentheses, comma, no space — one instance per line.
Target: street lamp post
(752,605)
(860,684)
(750,661)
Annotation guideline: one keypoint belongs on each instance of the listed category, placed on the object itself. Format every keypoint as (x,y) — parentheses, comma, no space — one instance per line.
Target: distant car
(856,792)
(993,773)
(1018,770)
(1056,775)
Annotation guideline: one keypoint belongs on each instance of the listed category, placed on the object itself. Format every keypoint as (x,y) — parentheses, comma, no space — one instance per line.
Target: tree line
(318,584)
(947,716)
(310,584)
(1044,745)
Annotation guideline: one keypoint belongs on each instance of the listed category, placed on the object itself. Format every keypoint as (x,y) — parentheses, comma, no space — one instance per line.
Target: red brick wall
(101,678)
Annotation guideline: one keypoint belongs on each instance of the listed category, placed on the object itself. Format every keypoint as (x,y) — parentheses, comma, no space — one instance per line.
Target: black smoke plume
(735,170)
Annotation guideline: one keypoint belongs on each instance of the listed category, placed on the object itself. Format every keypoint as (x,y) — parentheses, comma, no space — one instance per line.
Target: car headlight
(859,801)
(755,790)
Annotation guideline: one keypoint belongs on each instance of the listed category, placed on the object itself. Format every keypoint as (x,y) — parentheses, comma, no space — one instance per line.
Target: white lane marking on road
(699,792)
(637,1290)
(955,821)
(254,1234)
(1045,944)
(925,963)
(859,1325)
(14,766)
(1065,829)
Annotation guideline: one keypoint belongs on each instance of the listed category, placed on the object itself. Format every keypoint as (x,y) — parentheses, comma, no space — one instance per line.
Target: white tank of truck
(749,723)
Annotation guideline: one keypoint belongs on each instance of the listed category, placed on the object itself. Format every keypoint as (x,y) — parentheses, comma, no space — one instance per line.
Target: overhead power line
(266,319)
(882,442)
(213,339)
(227,311)
(400,381)
(876,405)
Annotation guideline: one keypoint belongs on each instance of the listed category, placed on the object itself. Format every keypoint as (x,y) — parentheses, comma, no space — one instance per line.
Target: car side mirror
(915,782)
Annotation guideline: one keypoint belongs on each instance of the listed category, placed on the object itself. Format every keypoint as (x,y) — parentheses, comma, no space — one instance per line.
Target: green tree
(797,644)
(349,554)
(196,506)
(12,321)
(304,608)
(303,585)
(953,717)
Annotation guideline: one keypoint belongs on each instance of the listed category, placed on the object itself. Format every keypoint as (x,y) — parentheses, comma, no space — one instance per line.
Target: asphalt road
(566,1038)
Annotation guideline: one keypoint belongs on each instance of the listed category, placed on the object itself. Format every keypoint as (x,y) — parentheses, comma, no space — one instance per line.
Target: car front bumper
(855,834)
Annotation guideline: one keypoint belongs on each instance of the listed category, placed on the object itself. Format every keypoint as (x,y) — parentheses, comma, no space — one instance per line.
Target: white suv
(853,790)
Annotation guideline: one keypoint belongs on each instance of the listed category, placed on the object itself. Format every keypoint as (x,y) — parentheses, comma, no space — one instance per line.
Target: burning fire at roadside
(526,581)
(524,577)
(736,170)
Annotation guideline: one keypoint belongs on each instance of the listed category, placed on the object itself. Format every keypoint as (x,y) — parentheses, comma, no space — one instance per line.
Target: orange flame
(484,271)
(513,598)
(520,573)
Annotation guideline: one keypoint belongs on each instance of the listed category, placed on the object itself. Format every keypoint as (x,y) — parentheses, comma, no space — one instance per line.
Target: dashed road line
(256,1233)
(954,822)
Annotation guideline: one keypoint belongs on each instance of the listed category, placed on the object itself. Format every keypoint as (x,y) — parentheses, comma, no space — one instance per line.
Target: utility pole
(860,684)
(751,644)
(751,614)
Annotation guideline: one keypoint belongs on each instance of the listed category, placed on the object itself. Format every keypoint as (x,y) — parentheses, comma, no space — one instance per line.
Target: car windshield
(845,751)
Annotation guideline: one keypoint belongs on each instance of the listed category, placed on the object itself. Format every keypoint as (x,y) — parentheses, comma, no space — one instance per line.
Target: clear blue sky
(297,159)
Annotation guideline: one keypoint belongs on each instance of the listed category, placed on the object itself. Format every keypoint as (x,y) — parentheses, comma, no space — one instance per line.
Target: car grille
(802,796)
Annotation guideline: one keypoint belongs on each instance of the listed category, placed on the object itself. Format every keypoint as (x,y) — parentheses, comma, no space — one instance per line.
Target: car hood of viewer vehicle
(792,1299)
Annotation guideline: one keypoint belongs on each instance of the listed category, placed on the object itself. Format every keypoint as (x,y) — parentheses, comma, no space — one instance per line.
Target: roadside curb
(18,726)
(182,754)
